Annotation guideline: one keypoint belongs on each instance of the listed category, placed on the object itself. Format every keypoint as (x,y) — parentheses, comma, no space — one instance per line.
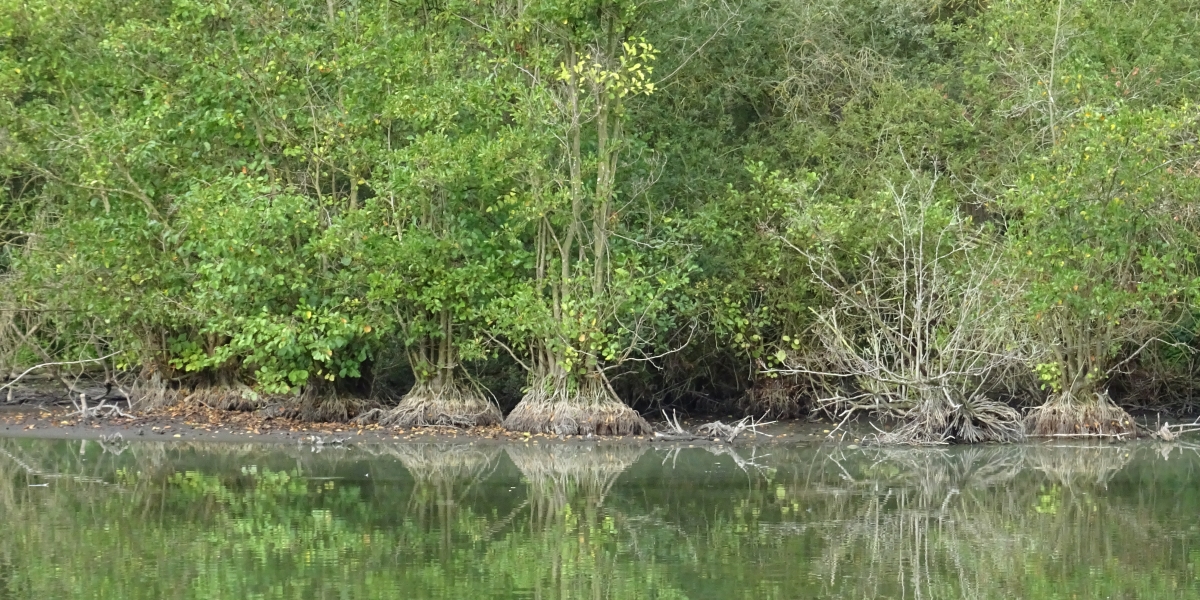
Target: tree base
(151,393)
(1066,415)
(971,421)
(438,406)
(590,410)
(239,398)
(316,407)
(558,476)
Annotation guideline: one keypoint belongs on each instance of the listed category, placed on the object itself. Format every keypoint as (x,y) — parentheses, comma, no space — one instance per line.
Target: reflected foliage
(599,521)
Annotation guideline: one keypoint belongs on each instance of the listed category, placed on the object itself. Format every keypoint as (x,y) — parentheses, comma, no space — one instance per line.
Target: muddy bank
(41,411)
(204,424)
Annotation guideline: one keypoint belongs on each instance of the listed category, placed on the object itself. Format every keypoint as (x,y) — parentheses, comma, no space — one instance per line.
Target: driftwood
(674,431)
(319,443)
(1170,433)
(100,410)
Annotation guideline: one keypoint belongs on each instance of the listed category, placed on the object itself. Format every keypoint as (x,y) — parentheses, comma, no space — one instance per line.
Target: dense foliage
(937,211)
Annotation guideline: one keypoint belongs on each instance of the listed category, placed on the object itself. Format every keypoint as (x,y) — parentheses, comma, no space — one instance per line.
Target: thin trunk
(575,159)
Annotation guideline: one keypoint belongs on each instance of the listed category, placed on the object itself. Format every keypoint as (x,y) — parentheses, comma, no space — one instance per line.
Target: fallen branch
(319,443)
(1170,433)
(742,463)
(100,410)
(731,432)
(716,429)
(114,444)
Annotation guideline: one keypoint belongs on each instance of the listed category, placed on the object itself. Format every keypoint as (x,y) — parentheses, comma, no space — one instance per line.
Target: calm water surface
(155,520)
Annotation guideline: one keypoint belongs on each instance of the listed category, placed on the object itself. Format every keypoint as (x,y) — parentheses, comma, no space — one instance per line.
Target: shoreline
(40,412)
(222,426)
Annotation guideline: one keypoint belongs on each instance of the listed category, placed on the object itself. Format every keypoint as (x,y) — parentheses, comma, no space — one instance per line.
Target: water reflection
(159,520)
(928,523)
(571,546)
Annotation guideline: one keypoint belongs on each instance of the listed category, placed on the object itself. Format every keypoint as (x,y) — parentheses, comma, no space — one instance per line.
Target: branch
(506,349)
(57,364)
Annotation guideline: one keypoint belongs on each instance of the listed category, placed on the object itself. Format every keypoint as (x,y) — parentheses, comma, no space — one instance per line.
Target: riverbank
(40,411)
(206,424)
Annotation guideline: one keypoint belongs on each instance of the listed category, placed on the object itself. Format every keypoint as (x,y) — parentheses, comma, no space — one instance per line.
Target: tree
(595,291)
(1104,231)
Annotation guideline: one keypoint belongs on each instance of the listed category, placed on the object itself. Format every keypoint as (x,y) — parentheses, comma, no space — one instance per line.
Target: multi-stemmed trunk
(1078,404)
(568,392)
(564,403)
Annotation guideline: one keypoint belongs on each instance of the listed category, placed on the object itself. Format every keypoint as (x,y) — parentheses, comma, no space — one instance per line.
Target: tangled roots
(317,407)
(1078,464)
(149,393)
(446,405)
(1064,414)
(972,420)
(778,397)
(226,398)
(587,410)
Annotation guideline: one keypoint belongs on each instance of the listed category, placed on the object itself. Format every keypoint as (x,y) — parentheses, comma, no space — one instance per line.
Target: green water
(155,520)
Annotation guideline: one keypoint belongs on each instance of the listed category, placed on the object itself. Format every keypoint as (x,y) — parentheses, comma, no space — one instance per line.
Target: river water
(184,520)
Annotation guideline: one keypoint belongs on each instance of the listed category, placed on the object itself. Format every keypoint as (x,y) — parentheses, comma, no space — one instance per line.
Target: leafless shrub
(919,327)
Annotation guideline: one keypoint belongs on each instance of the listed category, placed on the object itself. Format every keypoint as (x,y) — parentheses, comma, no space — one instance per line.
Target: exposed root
(317,407)
(454,463)
(444,473)
(777,396)
(970,421)
(553,407)
(1065,416)
(150,393)
(438,405)
(239,397)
